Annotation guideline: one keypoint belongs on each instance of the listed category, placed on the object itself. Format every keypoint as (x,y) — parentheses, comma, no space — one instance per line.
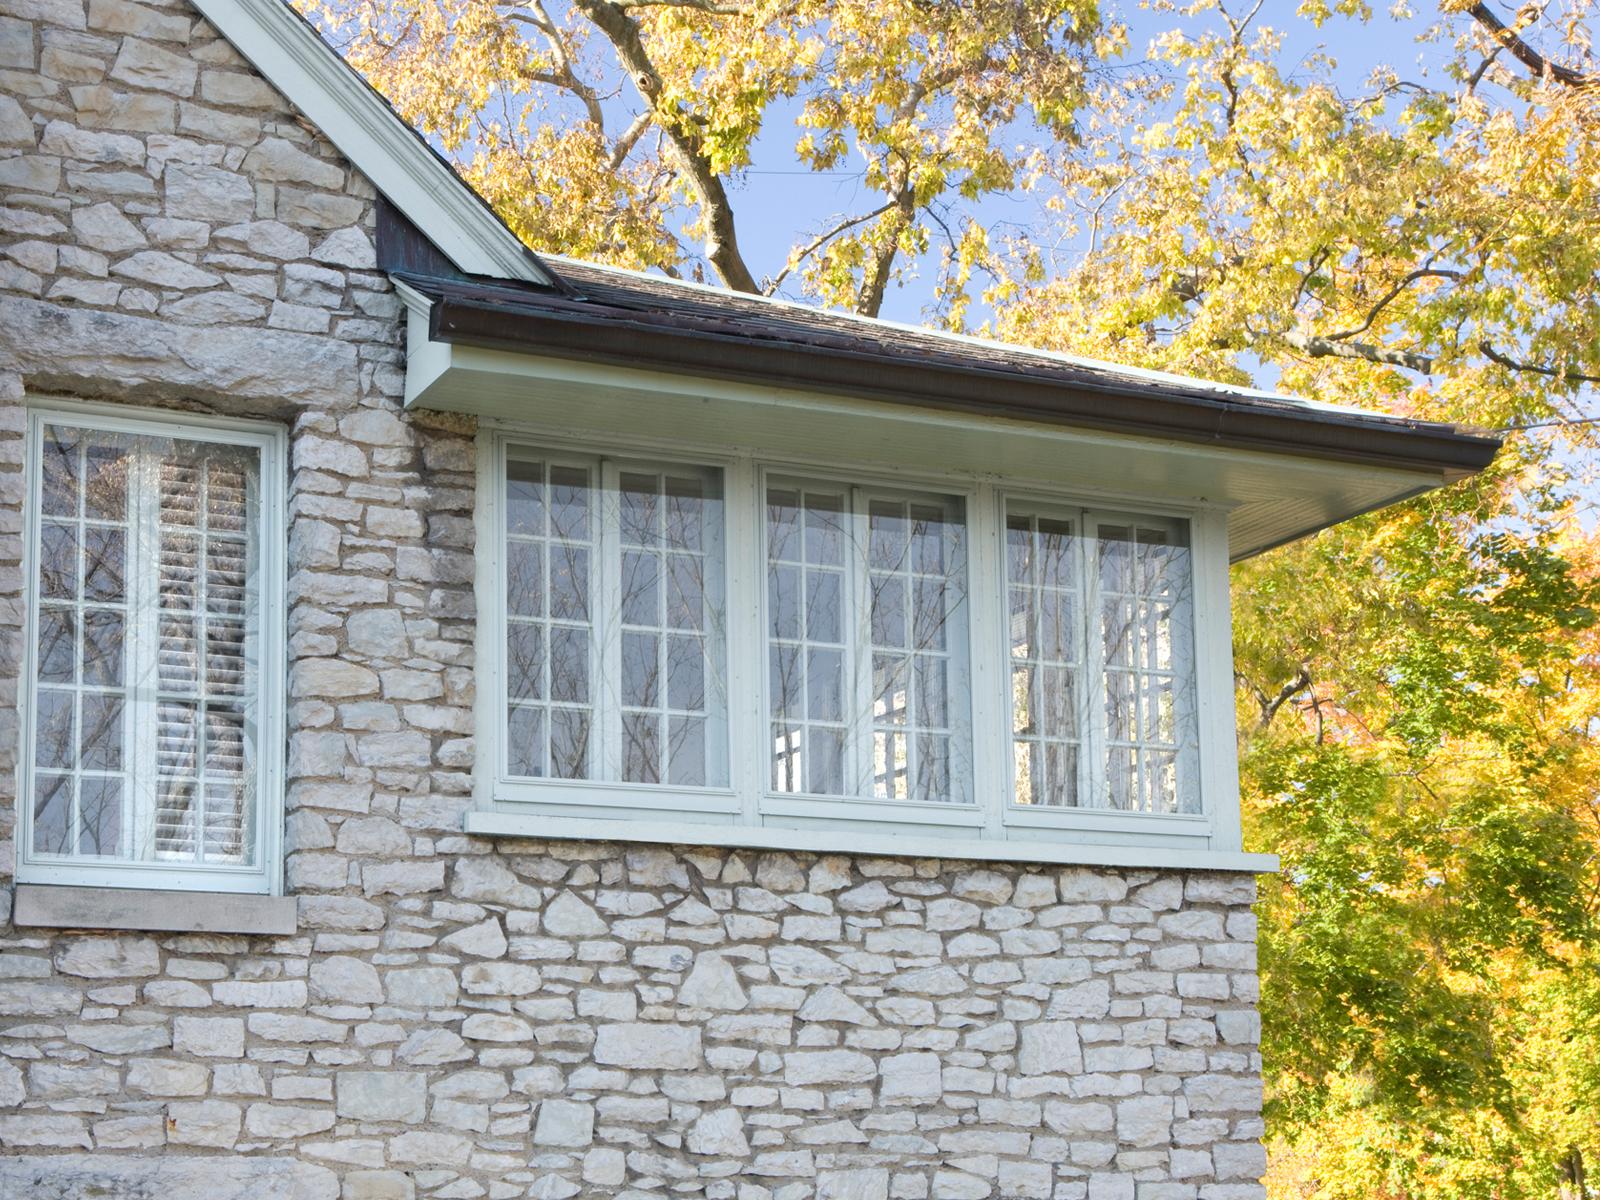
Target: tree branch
(1316,346)
(1525,54)
(708,6)
(630,138)
(1512,364)
(563,76)
(822,239)
(1407,281)
(722,247)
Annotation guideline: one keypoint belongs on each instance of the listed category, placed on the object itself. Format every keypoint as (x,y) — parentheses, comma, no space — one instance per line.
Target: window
(686,647)
(614,609)
(1100,617)
(152,716)
(867,675)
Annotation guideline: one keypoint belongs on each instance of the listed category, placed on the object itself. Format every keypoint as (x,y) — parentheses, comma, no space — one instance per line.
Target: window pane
(868,651)
(621,670)
(1100,624)
(1146,616)
(152,549)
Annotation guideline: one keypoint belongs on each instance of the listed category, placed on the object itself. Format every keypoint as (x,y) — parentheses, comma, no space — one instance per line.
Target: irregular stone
(713,984)
(564,1123)
(568,916)
(647,1045)
(1050,1048)
(719,1133)
(422,987)
(109,958)
(382,1096)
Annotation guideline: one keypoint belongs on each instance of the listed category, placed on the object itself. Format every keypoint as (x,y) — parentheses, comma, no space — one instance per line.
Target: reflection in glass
(166,772)
(620,677)
(866,613)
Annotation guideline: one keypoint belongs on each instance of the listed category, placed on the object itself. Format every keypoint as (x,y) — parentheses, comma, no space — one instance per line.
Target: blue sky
(777,201)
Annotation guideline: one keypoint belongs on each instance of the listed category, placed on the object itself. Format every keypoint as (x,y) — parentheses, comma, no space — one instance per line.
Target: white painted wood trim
(748,812)
(374,137)
(853,841)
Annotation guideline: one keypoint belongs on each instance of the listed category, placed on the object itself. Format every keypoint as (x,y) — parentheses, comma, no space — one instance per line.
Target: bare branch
(630,138)
(563,76)
(1405,282)
(799,256)
(1512,364)
(1525,54)
(708,6)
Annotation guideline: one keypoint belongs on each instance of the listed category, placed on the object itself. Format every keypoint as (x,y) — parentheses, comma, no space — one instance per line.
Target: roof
(610,315)
(486,289)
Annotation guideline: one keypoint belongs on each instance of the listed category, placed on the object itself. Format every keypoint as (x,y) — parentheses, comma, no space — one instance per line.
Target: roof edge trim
(293,57)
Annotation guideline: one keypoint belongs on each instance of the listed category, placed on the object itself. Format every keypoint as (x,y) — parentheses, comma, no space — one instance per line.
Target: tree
(1418,688)
(617,130)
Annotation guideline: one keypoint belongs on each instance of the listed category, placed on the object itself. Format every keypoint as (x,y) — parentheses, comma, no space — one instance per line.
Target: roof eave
(564,330)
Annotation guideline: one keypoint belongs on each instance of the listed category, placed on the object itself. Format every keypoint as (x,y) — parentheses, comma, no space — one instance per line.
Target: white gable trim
(334,97)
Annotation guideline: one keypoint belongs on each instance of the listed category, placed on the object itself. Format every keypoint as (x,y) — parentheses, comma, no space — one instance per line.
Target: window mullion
(859,762)
(144,651)
(607,624)
(1092,690)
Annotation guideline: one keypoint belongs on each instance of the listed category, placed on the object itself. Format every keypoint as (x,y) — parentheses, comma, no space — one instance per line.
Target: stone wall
(457,1018)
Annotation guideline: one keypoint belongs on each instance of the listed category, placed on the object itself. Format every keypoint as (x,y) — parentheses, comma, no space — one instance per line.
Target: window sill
(853,841)
(53,906)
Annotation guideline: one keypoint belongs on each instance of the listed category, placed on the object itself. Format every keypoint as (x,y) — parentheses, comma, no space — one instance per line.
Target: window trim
(270,440)
(750,813)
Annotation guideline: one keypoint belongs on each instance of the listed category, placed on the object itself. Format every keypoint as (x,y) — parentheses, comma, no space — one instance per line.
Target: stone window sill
(53,906)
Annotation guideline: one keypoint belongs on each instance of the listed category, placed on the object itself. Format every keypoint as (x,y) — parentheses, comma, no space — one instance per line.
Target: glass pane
(525,580)
(100,732)
(525,499)
(103,638)
(58,561)
(641,670)
(686,674)
(58,645)
(569,743)
(61,468)
(641,747)
(54,740)
(825,606)
(525,660)
(569,664)
(525,742)
(100,816)
(52,813)
(687,751)
(105,552)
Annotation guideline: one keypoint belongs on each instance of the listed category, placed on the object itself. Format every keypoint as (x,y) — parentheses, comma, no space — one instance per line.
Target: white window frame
(265,876)
(750,813)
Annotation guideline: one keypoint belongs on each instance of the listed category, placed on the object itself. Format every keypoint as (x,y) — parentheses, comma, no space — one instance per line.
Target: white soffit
(1270,498)
(376,140)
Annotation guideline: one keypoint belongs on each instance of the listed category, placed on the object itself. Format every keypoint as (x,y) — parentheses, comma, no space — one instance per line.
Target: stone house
(480,725)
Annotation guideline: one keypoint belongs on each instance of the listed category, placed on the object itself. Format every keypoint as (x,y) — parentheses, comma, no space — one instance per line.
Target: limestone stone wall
(459,1018)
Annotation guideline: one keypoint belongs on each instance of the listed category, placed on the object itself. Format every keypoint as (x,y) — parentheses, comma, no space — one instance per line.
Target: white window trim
(266,877)
(749,813)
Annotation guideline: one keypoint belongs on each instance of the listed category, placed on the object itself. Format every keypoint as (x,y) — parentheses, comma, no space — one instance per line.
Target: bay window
(152,699)
(683,650)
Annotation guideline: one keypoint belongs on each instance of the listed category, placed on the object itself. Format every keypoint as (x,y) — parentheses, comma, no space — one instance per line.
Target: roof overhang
(551,360)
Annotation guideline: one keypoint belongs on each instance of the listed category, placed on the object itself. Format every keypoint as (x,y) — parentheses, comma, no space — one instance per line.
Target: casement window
(725,648)
(1100,616)
(152,702)
(614,645)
